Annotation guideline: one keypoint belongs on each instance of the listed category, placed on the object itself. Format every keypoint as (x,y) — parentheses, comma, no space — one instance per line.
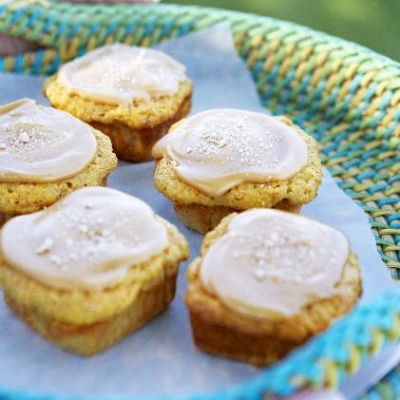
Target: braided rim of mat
(344,95)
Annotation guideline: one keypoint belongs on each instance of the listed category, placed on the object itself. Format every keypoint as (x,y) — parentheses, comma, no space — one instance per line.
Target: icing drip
(90,239)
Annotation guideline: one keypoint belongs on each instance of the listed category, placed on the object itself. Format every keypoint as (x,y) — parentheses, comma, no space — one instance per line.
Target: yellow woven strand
(374,105)
(382,88)
(316,78)
(306,53)
(359,97)
(351,70)
(343,93)
(354,359)
(331,374)
(367,78)
(395,99)
(388,118)
(378,339)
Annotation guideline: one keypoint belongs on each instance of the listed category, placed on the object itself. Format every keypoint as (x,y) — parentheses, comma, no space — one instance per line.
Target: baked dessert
(227,160)
(90,269)
(132,94)
(266,281)
(46,154)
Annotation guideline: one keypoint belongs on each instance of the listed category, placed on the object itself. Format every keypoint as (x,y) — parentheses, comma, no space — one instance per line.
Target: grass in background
(371,23)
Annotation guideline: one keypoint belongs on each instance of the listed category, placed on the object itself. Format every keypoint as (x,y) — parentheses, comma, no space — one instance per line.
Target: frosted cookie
(90,269)
(130,93)
(46,154)
(221,161)
(267,281)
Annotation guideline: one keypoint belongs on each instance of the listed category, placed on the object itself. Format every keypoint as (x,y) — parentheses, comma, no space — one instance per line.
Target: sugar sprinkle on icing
(70,245)
(119,73)
(42,144)
(218,149)
(273,260)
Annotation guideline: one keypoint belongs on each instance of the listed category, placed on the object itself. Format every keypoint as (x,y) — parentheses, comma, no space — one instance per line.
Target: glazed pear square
(265,282)
(132,94)
(226,160)
(46,154)
(90,269)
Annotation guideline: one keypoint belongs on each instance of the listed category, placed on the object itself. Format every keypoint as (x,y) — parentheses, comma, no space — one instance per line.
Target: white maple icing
(42,144)
(218,149)
(276,261)
(89,239)
(119,73)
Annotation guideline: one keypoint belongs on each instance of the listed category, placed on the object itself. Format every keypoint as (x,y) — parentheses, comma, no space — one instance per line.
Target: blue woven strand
(354,147)
(38,62)
(167,27)
(385,101)
(304,84)
(33,18)
(17,14)
(394,179)
(271,80)
(258,68)
(130,28)
(62,28)
(371,154)
(49,23)
(328,149)
(81,51)
(370,93)
(365,175)
(374,122)
(392,217)
(394,380)
(389,131)
(186,28)
(112,28)
(304,117)
(55,64)
(19,63)
(396,116)
(332,96)
(74,30)
(373,395)
(148,28)
(355,84)
(349,164)
(387,201)
(387,163)
(377,188)
(93,29)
